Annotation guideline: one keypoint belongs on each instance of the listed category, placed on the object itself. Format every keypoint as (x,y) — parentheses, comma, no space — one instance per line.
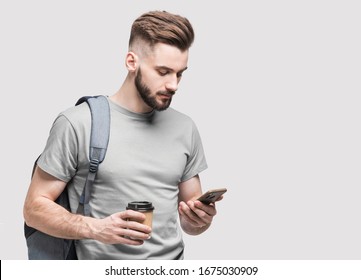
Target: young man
(154,154)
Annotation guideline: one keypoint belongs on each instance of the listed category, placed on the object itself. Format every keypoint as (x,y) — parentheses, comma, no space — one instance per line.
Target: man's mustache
(166,92)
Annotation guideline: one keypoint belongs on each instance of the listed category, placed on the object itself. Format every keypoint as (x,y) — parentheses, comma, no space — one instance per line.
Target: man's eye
(163,73)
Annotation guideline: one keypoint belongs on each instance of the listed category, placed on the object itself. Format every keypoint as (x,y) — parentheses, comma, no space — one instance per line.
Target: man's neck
(128,97)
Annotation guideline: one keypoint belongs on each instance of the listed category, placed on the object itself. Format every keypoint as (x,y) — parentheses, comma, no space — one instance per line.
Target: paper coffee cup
(145,207)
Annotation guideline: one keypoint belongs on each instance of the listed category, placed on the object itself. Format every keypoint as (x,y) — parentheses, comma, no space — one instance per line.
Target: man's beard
(145,94)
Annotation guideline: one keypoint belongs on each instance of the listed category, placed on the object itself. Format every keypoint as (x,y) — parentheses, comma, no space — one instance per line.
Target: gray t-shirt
(147,157)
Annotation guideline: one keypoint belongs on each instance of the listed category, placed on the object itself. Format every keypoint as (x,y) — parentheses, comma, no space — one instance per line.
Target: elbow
(28,213)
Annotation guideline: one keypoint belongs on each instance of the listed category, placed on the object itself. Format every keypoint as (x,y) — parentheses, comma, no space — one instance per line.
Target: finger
(210,209)
(134,225)
(135,235)
(203,211)
(135,220)
(188,220)
(133,215)
(118,238)
(183,209)
(128,241)
(190,215)
(130,219)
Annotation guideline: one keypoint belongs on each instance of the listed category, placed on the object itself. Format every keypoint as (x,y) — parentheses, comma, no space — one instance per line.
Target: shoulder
(79,111)
(76,115)
(75,118)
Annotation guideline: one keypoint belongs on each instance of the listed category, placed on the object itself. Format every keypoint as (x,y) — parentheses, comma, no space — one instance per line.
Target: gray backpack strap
(99,138)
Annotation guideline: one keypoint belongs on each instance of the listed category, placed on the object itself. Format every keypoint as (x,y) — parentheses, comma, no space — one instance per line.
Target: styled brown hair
(162,27)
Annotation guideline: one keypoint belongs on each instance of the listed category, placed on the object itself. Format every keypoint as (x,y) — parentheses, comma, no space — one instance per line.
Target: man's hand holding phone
(199,213)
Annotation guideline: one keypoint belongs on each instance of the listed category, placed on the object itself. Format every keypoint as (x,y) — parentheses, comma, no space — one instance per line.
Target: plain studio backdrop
(273,86)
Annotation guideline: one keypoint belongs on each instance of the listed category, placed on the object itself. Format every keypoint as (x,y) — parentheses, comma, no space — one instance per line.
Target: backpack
(42,246)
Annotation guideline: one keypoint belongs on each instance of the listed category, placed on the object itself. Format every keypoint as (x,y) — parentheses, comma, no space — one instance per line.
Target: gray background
(274,87)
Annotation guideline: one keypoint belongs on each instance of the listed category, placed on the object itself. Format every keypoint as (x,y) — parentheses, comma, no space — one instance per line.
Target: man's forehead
(168,56)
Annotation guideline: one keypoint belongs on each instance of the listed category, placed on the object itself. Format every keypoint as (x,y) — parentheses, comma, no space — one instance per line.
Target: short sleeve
(59,157)
(196,161)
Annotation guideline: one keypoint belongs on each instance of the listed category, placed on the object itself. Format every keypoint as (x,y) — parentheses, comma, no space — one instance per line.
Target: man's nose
(172,84)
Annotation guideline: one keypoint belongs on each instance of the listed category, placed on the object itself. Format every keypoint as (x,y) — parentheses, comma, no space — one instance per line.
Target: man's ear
(131,61)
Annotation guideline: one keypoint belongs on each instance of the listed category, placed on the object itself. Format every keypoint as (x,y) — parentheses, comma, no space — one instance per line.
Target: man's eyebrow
(170,69)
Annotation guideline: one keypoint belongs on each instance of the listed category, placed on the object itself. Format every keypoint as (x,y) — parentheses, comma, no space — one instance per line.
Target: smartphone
(211,196)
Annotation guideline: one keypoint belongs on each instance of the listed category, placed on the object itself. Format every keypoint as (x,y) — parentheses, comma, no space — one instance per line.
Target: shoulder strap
(99,138)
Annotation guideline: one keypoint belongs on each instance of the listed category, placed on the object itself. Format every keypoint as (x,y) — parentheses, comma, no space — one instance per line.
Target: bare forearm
(42,213)
(54,220)
(50,218)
